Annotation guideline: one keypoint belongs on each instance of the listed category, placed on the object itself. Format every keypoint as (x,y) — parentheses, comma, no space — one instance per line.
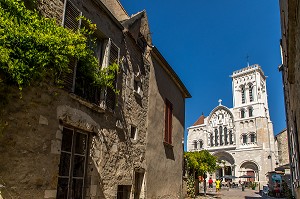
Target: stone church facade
(241,137)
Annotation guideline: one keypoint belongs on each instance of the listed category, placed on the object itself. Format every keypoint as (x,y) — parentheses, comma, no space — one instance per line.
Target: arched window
(211,139)
(230,137)
(250,110)
(244,139)
(221,134)
(242,113)
(195,144)
(251,93)
(200,144)
(252,138)
(216,137)
(243,94)
(225,136)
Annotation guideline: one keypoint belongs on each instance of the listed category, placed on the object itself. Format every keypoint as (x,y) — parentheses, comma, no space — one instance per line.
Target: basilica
(241,137)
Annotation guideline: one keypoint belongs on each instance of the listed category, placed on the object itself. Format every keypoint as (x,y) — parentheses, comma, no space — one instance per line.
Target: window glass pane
(76,191)
(81,143)
(79,162)
(67,140)
(62,188)
(64,165)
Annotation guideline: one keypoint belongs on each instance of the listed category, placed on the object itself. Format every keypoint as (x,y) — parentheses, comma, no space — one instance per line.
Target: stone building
(289,43)
(241,137)
(84,141)
(281,144)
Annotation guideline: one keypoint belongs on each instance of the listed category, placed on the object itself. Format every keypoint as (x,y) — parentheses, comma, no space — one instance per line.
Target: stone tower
(250,108)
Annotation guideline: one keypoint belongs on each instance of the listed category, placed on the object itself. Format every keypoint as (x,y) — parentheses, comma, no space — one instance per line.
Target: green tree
(33,47)
(200,162)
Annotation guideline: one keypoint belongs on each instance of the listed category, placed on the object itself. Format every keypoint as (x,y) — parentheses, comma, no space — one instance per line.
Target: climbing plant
(33,47)
(200,162)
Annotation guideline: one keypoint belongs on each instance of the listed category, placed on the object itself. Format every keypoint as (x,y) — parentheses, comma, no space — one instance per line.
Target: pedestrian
(210,184)
(277,189)
(218,183)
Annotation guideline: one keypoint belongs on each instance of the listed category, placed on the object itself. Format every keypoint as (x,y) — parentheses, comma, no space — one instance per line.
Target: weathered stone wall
(283,148)
(31,126)
(290,43)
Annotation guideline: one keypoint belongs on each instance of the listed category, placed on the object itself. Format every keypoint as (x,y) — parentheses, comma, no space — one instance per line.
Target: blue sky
(205,41)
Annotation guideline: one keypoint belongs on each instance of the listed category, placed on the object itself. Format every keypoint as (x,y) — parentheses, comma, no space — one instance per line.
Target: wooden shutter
(111,55)
(71,21)
(168,122)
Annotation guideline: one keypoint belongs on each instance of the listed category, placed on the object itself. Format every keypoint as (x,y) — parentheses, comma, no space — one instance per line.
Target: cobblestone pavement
(236,193)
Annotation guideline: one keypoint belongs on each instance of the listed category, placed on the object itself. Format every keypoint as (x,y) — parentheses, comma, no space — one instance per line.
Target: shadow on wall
(169,152)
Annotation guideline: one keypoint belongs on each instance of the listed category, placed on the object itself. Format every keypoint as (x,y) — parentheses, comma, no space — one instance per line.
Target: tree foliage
(201,161)
(33,47)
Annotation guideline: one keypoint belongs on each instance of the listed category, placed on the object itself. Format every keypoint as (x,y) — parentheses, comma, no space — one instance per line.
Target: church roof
(199,121)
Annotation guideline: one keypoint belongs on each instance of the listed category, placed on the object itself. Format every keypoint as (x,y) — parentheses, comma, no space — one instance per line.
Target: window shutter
(111,55)
(168,122)
(114,53)
(70,21)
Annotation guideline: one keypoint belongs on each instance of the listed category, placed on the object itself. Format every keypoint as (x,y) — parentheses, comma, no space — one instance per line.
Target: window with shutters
(168,122)
(72,166)
(77,81)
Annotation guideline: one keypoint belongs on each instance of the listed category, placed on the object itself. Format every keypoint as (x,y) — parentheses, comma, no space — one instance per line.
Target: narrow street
(236,193)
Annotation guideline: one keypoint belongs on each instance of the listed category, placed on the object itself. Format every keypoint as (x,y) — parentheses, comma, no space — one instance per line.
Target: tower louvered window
(251,93)
(243,94)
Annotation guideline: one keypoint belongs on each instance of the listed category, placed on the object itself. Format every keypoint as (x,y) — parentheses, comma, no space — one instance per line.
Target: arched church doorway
(226,164)
(248,169)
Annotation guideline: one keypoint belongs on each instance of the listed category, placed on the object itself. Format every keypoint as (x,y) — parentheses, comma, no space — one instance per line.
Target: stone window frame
(74,155)
(244,138)
(254,136)
(242,113)
(201,144)
(133,132)
(250,111)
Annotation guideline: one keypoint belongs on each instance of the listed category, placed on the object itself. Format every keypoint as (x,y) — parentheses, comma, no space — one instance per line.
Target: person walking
(218,183)
(210,184)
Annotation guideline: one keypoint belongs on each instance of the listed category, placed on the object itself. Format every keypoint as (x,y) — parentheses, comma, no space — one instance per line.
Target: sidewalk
(235,193)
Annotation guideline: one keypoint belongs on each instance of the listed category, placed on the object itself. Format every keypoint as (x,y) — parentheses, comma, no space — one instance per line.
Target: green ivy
(33,47)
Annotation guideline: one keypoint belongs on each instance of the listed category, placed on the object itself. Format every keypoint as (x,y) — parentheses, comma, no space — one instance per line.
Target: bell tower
(249,92)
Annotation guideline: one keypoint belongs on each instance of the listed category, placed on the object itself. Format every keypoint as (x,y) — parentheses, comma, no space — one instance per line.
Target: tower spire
(247,60)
